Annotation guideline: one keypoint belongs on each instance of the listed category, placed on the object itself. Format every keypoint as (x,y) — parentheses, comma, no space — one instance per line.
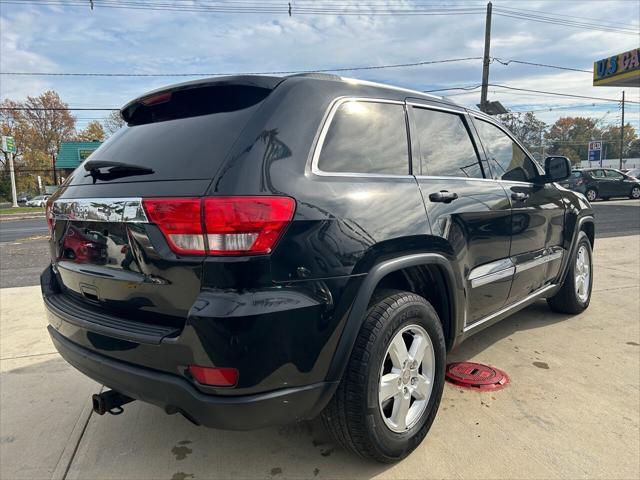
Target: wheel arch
(403,273)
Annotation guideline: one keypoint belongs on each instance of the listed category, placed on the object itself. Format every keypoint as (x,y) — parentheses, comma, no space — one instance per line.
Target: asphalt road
(24,254)
(10,231)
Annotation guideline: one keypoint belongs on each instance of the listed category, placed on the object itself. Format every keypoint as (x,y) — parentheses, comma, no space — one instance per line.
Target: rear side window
(179,139)
(576,174)
(445,146)
(613,174)
(508,161)
(366,137)
(597,174)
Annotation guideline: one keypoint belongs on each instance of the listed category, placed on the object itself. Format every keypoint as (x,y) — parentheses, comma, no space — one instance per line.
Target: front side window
(366,137)
(445,146)
(508,161)
(614,175)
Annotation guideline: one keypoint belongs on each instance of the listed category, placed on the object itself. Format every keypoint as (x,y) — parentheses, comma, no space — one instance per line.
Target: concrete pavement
(572,409)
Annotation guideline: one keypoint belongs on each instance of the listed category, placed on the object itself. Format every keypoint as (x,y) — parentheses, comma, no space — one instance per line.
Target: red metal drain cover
(476,376)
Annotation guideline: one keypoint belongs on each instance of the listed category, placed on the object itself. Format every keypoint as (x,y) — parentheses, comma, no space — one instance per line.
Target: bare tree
(112,123)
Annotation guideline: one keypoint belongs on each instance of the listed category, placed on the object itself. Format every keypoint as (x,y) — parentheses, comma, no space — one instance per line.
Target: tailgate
(107,254)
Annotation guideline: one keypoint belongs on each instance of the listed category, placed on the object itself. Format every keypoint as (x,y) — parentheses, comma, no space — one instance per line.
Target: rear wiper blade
(113,170)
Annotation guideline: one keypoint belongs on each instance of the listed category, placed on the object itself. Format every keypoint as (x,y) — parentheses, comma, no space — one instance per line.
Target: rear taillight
(580,181)
(221,225)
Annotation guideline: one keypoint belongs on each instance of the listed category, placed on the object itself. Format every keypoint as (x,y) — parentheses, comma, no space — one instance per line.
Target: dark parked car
(603,183)
(281,248)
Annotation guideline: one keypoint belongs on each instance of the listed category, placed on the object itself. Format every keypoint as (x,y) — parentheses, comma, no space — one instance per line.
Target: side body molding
(359,306)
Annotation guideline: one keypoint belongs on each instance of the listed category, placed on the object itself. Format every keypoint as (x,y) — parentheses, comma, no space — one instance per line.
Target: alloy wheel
(582,273)
(406,378)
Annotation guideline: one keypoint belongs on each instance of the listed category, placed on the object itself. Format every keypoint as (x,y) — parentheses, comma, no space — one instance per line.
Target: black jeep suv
(251,251)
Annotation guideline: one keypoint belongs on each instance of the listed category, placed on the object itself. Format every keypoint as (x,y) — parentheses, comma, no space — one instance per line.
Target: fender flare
(356,315)
(574,240)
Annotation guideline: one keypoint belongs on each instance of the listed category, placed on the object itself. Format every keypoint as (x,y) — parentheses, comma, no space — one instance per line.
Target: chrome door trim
(547,256)
(491,272)
(508,308)
(100,210)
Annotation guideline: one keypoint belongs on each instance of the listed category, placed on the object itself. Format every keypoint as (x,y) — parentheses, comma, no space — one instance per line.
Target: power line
(281,72)
(506,62)
(336,9)
(559,94)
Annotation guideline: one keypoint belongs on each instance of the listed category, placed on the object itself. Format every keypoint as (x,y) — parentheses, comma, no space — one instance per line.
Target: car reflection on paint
(84,246)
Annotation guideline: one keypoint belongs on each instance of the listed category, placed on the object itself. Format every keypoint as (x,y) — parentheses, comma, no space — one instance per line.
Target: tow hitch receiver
(109,402)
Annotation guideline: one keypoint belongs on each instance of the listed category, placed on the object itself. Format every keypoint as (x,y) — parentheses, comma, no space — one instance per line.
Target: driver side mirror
(556,169)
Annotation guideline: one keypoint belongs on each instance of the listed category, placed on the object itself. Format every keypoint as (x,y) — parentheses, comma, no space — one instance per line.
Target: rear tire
(635,193)
(571,298)
(591,194)
(356,416)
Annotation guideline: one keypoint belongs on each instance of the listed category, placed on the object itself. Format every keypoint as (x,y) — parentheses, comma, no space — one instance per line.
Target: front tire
(575,294)
(391,390)
(635,193)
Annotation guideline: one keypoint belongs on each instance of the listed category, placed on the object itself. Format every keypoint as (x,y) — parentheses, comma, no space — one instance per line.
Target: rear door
(105,250)
(537,220)
(467,210)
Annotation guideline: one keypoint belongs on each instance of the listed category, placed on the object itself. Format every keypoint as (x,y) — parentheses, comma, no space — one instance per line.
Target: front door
(469,213)
(614,184)
(537,220)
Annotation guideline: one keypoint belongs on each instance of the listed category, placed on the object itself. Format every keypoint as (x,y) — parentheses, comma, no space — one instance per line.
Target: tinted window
(597,173)
(576,174)
(613,174)
(507,160)
(445,145)
(366,137)
(192,147)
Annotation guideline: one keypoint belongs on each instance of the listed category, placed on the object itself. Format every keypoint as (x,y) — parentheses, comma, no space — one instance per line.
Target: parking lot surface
(572,409)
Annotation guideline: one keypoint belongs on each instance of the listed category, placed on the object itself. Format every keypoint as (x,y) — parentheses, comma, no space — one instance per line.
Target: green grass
(5,211)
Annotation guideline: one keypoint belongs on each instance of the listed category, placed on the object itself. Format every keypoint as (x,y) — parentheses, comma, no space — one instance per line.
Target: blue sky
(53,38)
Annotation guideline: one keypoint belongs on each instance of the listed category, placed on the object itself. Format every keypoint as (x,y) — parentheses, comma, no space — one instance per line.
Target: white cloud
(45,38)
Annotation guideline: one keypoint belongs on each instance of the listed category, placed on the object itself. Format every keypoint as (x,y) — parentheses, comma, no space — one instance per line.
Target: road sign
(595,152)
(8,144)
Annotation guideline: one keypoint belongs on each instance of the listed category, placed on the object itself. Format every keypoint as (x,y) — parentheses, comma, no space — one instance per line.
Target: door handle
(519,196)
(443,196)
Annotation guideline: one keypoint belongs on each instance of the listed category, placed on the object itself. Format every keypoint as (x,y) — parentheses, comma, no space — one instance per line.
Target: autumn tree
(611,138)
(93,132)
(113,122)
(39,125)
(570,137)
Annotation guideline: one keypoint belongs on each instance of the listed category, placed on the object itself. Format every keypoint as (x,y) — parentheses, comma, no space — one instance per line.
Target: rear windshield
(179,140)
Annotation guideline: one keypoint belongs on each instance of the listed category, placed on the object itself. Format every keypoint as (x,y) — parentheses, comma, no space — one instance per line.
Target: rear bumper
(175,394)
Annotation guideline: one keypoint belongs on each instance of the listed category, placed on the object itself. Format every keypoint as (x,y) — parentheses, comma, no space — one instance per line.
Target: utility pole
(53,163)
(622,132)
(486,60)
